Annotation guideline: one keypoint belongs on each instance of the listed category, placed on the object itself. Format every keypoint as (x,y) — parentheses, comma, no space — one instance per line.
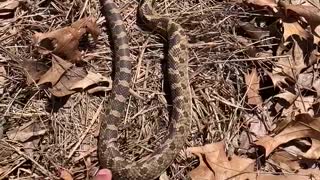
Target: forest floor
(243,98)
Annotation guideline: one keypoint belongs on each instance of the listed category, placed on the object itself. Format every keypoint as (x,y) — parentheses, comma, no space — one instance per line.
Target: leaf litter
(64,76)
(295,136)
(64,42)
(255,115)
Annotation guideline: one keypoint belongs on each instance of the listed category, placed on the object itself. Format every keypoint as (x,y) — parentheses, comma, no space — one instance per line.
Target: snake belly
(180,115)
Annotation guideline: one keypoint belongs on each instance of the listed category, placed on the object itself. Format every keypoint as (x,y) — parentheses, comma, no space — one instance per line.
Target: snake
(162,157)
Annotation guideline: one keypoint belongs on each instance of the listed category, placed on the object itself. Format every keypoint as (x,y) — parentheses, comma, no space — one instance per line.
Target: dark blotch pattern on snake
(180,115)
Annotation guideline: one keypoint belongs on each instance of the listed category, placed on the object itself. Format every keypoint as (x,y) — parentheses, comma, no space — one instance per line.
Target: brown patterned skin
(180,115)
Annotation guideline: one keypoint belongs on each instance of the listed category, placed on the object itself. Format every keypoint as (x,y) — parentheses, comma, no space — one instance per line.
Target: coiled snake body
(177,67)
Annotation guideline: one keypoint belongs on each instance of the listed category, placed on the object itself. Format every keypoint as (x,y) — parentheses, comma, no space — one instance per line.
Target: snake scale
(177,72)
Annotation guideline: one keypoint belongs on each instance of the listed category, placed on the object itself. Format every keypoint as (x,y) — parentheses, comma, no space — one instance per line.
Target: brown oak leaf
(64,42)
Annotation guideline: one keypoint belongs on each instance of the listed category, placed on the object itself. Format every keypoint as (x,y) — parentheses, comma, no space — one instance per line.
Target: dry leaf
(316,86)
(90,79)
(303,126)
(284,100)
(294,28)
(287,116)
(87,24)
(253,87)
(303,104)
(257,127)
(7,7)
(65,175)
(29,146)
(286,161)
(64,42)
(314,151)
(58,68)
(277,78)
(3,75)
(64,85)
(309,174)
(306,79)
(291,66)
(76,78)
(33,70)
(26,131)
(67,78)
(221,167)
(310,13)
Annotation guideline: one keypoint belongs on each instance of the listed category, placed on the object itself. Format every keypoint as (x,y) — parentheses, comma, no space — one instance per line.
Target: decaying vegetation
(254,76)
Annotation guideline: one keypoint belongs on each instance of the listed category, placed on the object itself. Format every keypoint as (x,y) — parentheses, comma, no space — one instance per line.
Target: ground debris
(254,77)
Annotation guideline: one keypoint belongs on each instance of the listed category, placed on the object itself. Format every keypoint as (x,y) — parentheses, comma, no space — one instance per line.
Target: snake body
(177,72)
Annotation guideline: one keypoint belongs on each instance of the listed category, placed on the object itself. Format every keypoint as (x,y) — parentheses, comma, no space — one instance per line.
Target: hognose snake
(180,115)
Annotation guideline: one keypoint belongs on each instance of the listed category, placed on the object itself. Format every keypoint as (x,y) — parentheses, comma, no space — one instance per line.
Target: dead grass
(71,130)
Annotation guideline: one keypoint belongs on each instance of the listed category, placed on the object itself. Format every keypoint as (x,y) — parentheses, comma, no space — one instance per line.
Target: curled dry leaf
(87,24)
(287,116)
(303,126)
(64,42)
(253,87)
(8,6)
